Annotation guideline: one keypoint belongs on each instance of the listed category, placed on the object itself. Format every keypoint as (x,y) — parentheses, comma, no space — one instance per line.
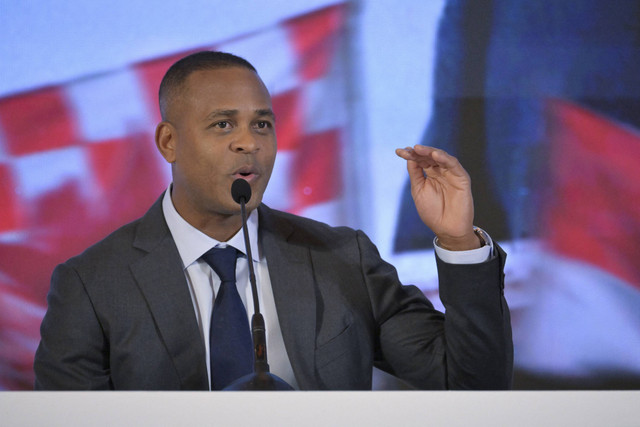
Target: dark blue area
(497,62)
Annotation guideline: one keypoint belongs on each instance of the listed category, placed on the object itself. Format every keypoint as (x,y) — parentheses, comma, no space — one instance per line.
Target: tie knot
(223,262)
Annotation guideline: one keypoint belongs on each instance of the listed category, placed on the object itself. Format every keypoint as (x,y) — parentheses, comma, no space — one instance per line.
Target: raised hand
(441,190)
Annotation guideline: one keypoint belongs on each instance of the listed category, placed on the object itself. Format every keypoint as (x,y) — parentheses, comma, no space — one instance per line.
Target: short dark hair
(177,74)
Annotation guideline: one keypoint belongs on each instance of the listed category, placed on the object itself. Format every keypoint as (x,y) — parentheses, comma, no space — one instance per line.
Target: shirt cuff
(473,256)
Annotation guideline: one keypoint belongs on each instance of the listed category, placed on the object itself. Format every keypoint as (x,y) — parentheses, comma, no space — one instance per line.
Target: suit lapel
(292,281)
(161,280)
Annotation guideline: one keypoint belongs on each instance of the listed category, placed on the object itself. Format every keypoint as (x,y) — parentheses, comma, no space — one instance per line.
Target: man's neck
(215,225)
(221,229)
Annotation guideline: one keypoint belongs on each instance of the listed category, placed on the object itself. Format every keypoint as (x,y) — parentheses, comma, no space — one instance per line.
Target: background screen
(540,101)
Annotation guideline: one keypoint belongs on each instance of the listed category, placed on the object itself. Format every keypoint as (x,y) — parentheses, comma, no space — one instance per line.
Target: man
(135,310)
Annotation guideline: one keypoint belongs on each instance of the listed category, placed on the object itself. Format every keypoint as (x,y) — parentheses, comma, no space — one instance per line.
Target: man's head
(177,74)
(218,125)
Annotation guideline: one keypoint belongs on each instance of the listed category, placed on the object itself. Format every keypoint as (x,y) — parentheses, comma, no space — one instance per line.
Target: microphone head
(240,189)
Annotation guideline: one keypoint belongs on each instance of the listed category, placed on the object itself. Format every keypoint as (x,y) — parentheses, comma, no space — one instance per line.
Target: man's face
(222,128)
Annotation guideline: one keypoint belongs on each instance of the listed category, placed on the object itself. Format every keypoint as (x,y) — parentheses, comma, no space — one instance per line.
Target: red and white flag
(583,319)
(78,160)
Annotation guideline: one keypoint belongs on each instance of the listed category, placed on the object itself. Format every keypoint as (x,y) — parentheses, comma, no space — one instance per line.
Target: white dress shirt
(204,283)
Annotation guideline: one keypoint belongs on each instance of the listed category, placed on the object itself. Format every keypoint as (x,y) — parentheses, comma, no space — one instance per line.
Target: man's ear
(165,141)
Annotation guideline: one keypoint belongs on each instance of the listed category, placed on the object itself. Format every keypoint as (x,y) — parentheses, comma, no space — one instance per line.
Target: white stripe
(272,54)
(45,171)
(580,319)
(278,194)
(110,106)
(29,312)
(324,100)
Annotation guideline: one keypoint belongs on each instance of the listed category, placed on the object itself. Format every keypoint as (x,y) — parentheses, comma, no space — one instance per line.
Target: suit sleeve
(468,347)
(73,353)
(477,324)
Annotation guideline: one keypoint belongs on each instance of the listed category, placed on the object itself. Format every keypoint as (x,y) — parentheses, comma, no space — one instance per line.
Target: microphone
(261,378)
(241,191)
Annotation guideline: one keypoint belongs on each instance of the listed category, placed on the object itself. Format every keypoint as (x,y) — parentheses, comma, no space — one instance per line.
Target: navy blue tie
(231,348)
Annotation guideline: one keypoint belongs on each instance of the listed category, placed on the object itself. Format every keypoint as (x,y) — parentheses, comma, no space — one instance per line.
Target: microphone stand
(261,378)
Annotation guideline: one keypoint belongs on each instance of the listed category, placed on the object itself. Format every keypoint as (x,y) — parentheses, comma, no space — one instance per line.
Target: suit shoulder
(118,244)
(127,242)
(305,229)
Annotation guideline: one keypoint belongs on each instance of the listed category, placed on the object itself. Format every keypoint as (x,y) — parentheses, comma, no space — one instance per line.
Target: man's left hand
(441,190)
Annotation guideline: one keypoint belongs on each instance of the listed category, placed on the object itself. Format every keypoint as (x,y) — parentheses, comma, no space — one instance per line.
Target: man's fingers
(427,157)
(424,159)
(438,158)
(436,155)
(406,153)
(416,173)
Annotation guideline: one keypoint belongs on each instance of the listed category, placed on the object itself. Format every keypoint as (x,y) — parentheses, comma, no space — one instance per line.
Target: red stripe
(315,37)
(317,175)
(127,171)
(11,212)
(19,336)
(36,121)
(289,110)
(594,210)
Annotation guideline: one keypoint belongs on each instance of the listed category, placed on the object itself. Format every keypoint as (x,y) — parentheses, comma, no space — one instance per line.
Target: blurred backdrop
(539,100)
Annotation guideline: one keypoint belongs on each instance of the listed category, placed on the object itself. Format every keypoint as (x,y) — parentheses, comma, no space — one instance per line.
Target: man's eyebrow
(229,113)
(266,112)
(224,113)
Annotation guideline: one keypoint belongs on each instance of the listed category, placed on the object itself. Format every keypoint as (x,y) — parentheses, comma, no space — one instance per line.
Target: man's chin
(235,209)
(253,204)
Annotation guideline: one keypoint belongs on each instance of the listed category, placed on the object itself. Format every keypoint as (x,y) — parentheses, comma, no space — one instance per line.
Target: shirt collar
(193,243)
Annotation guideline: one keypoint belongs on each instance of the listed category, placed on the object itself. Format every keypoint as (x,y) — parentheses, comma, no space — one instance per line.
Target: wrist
(476,239)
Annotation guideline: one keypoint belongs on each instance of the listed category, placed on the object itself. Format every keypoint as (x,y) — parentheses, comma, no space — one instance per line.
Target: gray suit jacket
(120,315)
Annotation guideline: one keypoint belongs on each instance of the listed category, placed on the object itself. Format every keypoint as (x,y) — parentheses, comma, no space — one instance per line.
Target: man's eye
(221,125)
(264,124)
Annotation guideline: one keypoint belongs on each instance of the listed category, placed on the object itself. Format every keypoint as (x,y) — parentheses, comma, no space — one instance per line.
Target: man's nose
(245,142)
